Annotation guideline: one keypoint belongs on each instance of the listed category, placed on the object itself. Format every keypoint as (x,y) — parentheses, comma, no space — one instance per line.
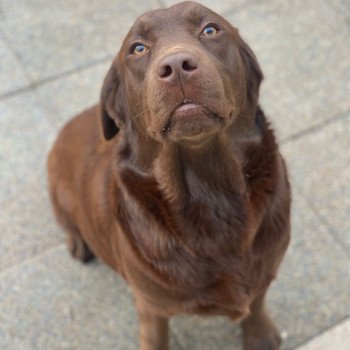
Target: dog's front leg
(258,330)
(153,328)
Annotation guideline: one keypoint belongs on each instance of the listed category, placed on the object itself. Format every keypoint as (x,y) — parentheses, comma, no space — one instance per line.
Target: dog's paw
(271,341)
(79,249)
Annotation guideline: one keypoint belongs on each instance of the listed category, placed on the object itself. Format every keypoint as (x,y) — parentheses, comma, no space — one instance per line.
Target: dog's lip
(187,106)
(189,109)
(184,109)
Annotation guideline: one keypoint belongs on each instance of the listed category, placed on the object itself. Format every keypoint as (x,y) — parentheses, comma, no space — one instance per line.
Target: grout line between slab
(235,9)
(316,128)
(324,221)
(331,231)
(17,56)
(320,333)
(8,269)
(53,78)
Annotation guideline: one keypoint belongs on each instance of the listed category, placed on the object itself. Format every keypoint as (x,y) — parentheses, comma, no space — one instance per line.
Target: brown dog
(182,190)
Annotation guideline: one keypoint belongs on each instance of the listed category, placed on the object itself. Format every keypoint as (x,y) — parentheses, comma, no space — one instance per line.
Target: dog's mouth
(187,107)
(192,115)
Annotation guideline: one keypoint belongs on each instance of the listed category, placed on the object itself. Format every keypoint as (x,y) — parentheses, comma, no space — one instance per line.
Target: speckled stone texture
(52,37)
(320,169)
(337,337)
(221,7)
(303,48)
(12,74)
(54,56)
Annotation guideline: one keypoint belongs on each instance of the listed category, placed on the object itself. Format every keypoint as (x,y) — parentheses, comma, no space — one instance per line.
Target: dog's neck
(202,184)
(195,201)
(191,173)
(196,205)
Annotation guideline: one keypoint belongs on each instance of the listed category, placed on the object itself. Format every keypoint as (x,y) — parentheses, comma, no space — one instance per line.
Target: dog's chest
(195,253)
(205,276)
(195,256)
(187,284)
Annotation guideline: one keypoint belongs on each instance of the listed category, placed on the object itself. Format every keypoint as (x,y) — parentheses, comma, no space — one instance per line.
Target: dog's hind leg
(75,242)
(77,246)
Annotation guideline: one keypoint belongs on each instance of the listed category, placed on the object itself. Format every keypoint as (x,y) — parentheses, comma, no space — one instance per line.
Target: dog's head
(182,73)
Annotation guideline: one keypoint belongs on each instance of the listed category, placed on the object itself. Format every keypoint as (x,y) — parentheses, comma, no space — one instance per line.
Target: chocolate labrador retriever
(182,190)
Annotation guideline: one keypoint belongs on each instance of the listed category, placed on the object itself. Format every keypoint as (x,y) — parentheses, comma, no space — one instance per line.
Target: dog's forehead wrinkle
(142,28)
(176,48)
(145,23)
(196,12)
(193,15)
(189,6)
(173,19)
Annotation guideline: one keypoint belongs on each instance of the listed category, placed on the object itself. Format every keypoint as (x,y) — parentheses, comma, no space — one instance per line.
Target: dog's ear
(253,73)
(111,101)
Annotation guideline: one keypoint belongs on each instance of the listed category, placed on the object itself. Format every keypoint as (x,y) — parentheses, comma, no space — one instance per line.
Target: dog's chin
(191,121)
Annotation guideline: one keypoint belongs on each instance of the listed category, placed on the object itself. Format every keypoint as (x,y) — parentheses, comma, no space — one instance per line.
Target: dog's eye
(209,30)
(139,49)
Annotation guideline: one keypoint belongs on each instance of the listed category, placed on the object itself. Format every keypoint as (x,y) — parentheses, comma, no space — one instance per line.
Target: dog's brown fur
(190,205)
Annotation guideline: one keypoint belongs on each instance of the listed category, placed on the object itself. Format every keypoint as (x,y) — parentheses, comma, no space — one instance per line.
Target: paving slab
(50,301)
(291,46)
(311,293)
(304,49)
(52,37)
(302,299)
(54,302)
(27,228)
(206,333)
(12,75)
(26,136)
(337,337)
(220,7)
(27,221)
(320,167)
(26,224)
(67,96)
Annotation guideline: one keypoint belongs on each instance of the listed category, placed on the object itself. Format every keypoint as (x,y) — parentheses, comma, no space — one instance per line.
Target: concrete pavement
(54,55)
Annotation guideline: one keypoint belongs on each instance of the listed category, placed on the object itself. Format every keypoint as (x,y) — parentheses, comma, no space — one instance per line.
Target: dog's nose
(181,65)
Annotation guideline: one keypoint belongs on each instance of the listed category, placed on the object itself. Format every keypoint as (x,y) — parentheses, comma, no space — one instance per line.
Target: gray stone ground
(53,56)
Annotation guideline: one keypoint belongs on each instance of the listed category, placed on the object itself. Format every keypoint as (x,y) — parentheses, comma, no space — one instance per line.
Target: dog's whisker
(139,115)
